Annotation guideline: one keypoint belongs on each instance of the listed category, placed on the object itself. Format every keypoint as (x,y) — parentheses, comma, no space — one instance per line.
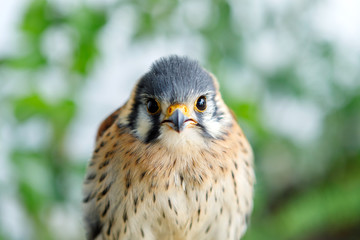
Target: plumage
(149,179)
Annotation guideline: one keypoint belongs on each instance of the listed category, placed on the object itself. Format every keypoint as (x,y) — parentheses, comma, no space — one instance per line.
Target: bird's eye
(201,104)
(153,106)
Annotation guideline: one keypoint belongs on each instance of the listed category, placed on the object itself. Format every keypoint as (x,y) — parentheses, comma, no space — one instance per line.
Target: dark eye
(153,106)
(201,104)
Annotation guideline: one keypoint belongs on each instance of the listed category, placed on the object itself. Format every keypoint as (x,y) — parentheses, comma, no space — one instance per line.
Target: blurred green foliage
(305,190)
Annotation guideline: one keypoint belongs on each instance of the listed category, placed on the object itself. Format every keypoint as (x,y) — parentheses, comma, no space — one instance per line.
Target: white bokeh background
(120,65)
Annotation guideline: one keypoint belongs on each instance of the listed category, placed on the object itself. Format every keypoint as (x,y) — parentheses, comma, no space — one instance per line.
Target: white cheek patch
(213,125)
(143,125)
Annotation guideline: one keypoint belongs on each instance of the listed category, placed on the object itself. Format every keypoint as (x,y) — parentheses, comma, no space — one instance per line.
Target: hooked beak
(178,115)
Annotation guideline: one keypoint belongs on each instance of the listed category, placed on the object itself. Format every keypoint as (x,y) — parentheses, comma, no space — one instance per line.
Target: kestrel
(171,163)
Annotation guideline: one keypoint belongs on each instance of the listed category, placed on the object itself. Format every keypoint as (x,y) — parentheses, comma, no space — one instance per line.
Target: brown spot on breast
(236,166)
(128,182)
(104,192)
(88,197)
(91,176)
(109,227)
(104,164)
(105,209)
(108,154)
(135,200)
(142,232)
(142,175)
(208,228)
(126,165)
(102,177)
(125,217)
(169,201)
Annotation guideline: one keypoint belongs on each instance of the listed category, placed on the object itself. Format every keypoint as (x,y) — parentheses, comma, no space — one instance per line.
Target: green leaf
(36,18)
(87,23)
(30,106)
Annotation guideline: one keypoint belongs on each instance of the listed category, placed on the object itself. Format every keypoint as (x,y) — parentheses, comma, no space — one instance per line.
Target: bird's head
(177,103)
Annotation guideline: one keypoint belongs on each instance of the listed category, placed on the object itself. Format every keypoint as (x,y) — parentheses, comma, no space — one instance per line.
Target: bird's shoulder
(98,181)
